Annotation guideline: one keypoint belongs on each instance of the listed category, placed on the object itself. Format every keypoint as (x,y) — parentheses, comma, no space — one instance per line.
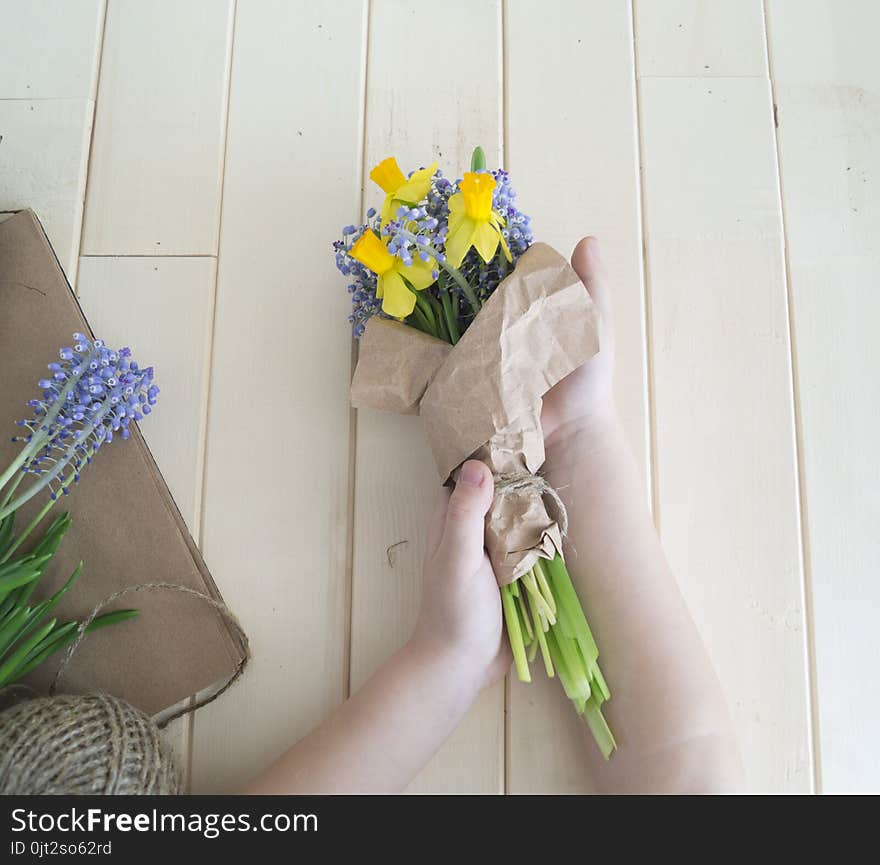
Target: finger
(463,534)
(438,521)
(589,266)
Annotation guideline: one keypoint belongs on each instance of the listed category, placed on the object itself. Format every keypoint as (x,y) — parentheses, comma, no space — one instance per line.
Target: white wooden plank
(154,187)
(575,169)
(49,48)
(277,480)
(420,118)
(163,308)
(44,148)
(827,85)
(701,38)
(725,470)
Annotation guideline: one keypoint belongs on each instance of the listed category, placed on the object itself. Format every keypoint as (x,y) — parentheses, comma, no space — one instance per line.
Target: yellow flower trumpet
(397,188)
(394,279)
(473,222)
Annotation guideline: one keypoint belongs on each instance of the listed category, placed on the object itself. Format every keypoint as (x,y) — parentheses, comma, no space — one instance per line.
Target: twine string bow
(514,483)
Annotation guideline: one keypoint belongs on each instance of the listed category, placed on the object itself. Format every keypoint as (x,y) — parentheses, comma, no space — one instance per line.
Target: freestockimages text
(207,825)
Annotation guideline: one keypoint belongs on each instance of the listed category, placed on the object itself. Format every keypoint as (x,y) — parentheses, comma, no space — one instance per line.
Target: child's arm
(667,710)
(379,739)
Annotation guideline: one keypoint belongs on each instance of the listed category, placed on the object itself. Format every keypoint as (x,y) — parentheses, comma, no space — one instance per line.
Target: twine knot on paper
(510,483)
(94,743)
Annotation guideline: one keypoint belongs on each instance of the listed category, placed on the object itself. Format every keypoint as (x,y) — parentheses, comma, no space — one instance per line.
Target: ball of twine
(94,743)
(90,744)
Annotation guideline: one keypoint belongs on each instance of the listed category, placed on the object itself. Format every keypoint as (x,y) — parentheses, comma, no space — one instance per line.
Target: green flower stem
(514,633)
(427,313)
(63,463)
(541,632)
(525,618)
(543,612)
(39,441)
(450,316)
(440,317)
(419,322)
(24,455)
(12,490)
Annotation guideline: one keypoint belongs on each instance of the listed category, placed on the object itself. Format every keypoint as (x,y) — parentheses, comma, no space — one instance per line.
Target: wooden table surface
(192,160)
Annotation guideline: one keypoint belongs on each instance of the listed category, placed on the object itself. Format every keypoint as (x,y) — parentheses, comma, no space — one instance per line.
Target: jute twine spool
(93,743)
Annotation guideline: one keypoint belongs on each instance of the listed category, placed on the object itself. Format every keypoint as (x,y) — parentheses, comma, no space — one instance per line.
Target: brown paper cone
(482,397)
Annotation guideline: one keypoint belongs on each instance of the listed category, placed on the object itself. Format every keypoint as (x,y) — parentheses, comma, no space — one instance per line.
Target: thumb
(463,535)
(589,266)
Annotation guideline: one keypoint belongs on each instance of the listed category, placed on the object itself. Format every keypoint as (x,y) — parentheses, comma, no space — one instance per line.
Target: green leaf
(10,567)
(478,159)
(41,610)
(53,536)
(8,667)
(6,526)
(14,581)
(63,636)
(111,619)
(10,628)
(57,640)
(46,549)
(51,603)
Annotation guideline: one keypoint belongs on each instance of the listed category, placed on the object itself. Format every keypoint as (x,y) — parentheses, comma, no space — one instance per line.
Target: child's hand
(461,607)
(583,399)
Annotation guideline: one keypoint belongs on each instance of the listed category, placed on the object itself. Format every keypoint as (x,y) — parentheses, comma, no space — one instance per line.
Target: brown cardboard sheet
(126,527)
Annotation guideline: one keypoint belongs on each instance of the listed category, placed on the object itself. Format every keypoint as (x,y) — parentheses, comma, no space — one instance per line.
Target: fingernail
(592,245)
(471,474)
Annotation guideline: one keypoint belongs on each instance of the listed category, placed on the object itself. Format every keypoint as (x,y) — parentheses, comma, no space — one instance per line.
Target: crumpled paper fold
(481,398)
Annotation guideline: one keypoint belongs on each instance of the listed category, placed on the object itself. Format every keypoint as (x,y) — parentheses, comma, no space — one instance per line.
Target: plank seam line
(794,393)
(94,101)
(650,433)
(505,161)
(351,505)
(57,98)
(202,465)
(689,77)
(168,255)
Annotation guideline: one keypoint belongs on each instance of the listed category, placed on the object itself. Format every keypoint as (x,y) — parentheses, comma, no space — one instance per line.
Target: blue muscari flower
(94,393)
(362,285)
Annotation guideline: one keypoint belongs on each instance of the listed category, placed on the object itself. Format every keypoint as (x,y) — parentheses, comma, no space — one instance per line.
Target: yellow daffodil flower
(398,189)
(473,222)
(397,299)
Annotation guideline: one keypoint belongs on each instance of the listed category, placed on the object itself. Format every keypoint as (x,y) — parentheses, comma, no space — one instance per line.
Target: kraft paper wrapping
(481,398)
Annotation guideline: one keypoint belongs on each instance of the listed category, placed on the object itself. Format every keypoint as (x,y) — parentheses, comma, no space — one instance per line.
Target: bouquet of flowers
(463,320)
(91,395)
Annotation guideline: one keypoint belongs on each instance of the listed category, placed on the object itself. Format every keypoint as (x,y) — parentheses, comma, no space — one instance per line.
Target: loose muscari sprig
(92,394)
